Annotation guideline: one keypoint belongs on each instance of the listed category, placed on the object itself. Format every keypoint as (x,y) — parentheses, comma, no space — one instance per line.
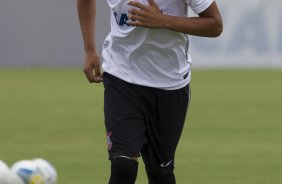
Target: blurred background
(47,108)
(46,33)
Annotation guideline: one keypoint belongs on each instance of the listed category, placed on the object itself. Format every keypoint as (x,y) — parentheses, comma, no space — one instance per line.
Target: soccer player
(146,76)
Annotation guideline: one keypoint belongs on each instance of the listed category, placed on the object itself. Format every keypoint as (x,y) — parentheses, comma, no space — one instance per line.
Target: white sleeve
(199,6)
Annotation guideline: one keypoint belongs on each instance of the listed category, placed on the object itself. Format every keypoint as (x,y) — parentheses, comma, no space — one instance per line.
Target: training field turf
(233,134)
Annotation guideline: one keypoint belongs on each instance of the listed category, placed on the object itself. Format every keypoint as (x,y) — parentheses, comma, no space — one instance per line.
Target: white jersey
(149,57)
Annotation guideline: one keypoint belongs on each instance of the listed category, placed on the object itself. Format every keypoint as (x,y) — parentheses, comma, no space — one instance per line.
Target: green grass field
(233,134)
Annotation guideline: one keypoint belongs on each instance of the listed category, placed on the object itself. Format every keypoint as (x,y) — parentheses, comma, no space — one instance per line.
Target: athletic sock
(123,171)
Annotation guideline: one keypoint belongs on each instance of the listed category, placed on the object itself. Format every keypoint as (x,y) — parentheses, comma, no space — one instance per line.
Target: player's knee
(162,174)
(124,167)
(165,168)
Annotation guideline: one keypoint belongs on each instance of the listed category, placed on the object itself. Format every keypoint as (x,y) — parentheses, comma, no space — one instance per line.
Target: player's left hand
(148,16)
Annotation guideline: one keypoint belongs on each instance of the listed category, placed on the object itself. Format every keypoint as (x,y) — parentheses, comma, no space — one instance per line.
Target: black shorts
(143,120)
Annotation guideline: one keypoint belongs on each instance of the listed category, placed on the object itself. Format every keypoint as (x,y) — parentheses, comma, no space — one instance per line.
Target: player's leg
(157,172)
(125,129)
(123,170)
(164,127)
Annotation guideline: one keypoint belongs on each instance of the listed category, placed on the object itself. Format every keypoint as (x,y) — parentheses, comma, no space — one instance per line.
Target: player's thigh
(171,116)
(124,121)
(165,123)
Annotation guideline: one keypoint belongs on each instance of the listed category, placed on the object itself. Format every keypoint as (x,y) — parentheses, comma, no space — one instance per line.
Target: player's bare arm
(208,24)
(87,15)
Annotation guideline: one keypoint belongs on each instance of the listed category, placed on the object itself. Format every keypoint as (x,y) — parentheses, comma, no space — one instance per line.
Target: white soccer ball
(28,172)
(49,173)
(7,176)
(14,179)
(37,171)
(4,173)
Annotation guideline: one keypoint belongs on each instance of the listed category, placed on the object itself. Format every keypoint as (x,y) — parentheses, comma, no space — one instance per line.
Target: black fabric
(145,120)
(123,171)
(123,118)
(158,173)
(158,178)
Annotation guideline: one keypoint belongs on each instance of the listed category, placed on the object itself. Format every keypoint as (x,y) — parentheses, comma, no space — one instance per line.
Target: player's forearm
(87,15)
(198,26)
(209,24)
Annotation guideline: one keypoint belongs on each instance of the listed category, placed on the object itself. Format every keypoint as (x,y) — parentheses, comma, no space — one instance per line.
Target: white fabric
(149,57)
(199,6)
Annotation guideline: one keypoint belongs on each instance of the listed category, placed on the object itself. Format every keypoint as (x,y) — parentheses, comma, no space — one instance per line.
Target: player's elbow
(217,31)
(217,28)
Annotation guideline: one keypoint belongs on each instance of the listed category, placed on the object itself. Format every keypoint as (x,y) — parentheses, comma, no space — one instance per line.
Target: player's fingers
(89,74)
(153,3)
(137,5)
(136,23)
(136,12)
(97,77)
(133,18)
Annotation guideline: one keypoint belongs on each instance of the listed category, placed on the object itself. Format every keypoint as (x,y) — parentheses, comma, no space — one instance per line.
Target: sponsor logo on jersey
(121,19)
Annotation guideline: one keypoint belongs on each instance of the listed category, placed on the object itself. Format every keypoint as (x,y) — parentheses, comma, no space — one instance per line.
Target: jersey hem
(168,88)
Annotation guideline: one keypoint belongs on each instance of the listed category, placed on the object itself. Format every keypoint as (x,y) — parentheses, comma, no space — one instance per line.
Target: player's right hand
(92,67)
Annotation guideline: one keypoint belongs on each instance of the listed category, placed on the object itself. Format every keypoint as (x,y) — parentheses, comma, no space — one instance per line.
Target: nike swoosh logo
(165,165)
